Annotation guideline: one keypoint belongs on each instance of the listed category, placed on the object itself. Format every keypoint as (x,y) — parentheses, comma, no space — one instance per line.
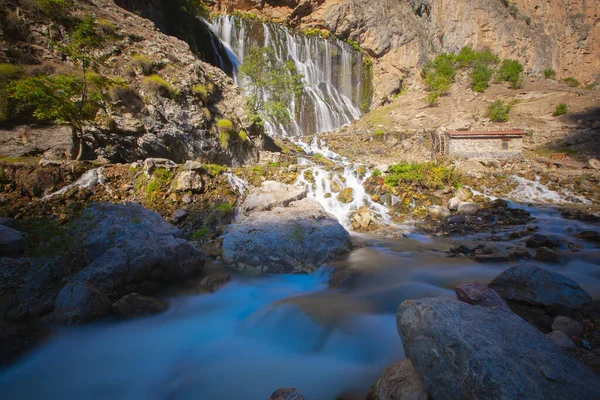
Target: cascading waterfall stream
(334,74)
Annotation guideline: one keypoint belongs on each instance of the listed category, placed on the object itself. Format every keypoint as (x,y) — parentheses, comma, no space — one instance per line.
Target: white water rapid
(334,75)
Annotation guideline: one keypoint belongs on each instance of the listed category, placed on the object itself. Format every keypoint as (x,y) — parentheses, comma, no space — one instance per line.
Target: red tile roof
(498,133)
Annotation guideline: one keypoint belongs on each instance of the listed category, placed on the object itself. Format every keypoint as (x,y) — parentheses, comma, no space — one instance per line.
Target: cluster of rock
(477,347)
(115,251)
(282,231)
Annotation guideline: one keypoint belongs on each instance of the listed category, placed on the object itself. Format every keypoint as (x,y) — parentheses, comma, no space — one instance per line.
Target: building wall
(483,148)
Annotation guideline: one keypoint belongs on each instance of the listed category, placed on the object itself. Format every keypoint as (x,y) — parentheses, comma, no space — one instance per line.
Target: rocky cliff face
(402,35)
(167,104)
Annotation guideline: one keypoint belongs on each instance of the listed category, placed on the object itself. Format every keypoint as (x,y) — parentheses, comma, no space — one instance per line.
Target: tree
(73,98)
(272,84)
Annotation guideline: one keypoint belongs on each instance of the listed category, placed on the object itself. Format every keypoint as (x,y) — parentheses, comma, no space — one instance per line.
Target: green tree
(272,84)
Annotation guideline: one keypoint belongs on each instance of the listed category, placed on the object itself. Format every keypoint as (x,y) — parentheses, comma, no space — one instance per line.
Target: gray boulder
(286,239)
(272,194)
(12,241)
(399,382)
(463,351)
(491,253)
(468,208)
(188,181)
(136,305)
(439,212)
(537,286)
(80,302)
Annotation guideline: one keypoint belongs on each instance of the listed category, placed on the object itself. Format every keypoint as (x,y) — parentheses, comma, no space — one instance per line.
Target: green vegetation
(549,73)
(225,128)
(144,63)
(510,71)
(58,10)
(480,77)
(106,27)
(201,91)
(8,73)
(546,151)
(214,169)
(498,111)
(158,85)
(297,233)
(281,80)
(161,178)
(258,170)
(375,173)
(324,33)
(378,133)
(223,208)
(366,89)
(560,109)
(439,75)
(571,82)
(243,135)
(428,175)
(200,233)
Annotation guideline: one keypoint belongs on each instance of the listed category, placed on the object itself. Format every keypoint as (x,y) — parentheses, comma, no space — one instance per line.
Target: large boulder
(463,351)
(286,239)
(399,382)
(537,286)
(12,241)
(272,194)
(477,294)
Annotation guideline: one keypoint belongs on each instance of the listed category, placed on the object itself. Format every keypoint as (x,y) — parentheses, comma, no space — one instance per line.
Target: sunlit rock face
(336,81)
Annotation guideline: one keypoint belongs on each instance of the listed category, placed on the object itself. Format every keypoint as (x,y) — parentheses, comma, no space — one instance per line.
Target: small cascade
(334,75)
(528,191)
(325,186)
(237,184)
(89,179)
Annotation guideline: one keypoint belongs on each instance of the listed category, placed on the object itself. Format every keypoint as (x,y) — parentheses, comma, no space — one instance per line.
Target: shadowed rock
(286,394)
(478,294)
(399,382)
(136,305)
(463,351)
(80,302)
(537,286)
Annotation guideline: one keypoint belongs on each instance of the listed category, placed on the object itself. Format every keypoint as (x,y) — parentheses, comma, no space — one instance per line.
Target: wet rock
(136,305)
(178,216)
(286,239)
(345,195)
(537,240)
(309,176)
(463,351)
(11,223)
(468,208)
(399,382)
(213,282)
(561,339)
(188,181)
(546,255)
(79,302)
(568,326)
(498,203)
(491,253)
(439,212)
(589,235)
(537,286)
(272,194)
(478,294)
(12,241)
(362,220)
(286,394)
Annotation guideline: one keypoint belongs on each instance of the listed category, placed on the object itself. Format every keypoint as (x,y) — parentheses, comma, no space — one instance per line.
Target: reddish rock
(478,294)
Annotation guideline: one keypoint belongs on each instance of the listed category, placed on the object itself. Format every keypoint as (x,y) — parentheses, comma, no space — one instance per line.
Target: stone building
(499,144)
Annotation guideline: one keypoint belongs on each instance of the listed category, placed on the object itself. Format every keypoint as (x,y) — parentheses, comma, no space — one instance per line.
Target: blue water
(240,342)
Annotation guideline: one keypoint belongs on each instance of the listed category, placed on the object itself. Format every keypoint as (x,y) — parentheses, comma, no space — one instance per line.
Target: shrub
(224,125)
(106,27)
(201,91)
(375,173)
(498,111)
(8,73)
(428,175)
(571,82)
(57,10)
(224,139)
(560,109)
(510,71)
(243,135)
(513,10)
(378,133)
(480,77)
(157,84)
(439,75)
(200,233)
(85,35)
(549,73)
(144,63)
(467,57)
(214,169)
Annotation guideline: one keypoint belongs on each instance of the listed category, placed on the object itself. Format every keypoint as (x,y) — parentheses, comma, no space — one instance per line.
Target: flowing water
(336,81)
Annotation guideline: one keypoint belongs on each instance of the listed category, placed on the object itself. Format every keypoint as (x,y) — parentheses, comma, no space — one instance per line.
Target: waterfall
(335,80)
